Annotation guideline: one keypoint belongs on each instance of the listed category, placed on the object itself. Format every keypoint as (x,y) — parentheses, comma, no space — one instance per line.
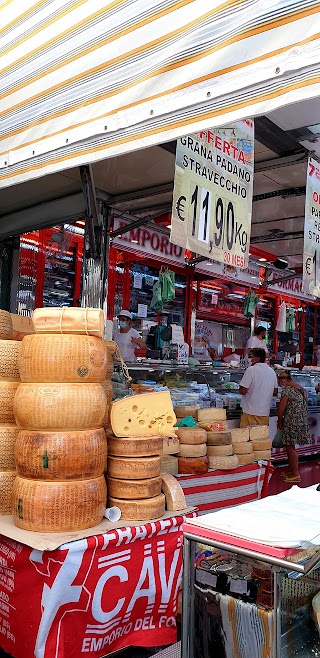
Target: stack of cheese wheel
(219,443)
(9,382)
(192,456)
(260,441)
(169,459)
(242,446)
(138,423)
(59,407)
(111,348)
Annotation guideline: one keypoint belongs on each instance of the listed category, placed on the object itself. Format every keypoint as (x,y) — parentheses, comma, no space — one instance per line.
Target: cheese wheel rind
(61,456)
(218,438)
(259,432)
(262,444)
(169,464)
(211,414)
(239,434)
(245,448)
(214,425)
(63,358)
(244,460)
(175,499)
(7,479)
(193,465)
(262,454)
(148,413)
(14,327)
(68,320)
(133,468)
(145,446)
(7,394)
(58,506)
(134,489)
(183,410)
(219,451)
(191,435)
(9,355)
(170,445)
(186,450)
(140,510)
(59,406)
(8,436)
(223,463)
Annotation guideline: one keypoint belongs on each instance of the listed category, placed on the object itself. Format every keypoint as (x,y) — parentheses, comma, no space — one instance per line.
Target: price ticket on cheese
(212,198)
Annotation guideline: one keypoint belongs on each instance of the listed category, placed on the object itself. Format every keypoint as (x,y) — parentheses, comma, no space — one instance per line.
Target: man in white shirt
(258,339)
(127,338)
(257,387)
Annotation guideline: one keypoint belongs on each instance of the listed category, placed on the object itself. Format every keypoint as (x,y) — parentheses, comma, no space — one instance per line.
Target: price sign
(311,246)
(212,199)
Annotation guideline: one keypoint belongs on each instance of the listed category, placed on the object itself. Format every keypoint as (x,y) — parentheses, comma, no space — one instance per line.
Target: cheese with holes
(59,406)
(9,354)
(14,327)
(58,506)
(140,510)
(218,438)
(223,463)
(148,413)
(175,499)
(169,464)
(170,445)
(61,455)
(8,436)
(7,393)
(214,426)
(211,414)
(240,434)
(183,410)
(262,454)
(193,465)
(187,450)
(69,320)
(245,460)
(259,432)
(140,446)
(134,489)
(217,451)
(7,479)
(59,358)
(191,435)
(133,468)
(244,448)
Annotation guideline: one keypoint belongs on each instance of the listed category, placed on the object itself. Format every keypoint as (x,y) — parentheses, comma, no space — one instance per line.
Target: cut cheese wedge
(245,448)
(193,465)
(7,393)
(140,510)
(8,436)
(262,454)
(133,468)
(134,489)
(223,463)
(9,354)
(7,479)
(219,451)
(61,455)
(69,320)
(169,464)
(175,499)
(191,435)
(183,410)
(214,425)
(14,327)
(218,438)
(244,460)
(67,359)
(144,446)
(170,445)
(240,434)
(263,444)
(148,413)
(211,414)
(186,450)
(59,406)
(58,506)
(259,432)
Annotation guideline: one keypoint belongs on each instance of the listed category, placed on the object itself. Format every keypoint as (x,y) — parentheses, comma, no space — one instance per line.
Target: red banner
(93,596)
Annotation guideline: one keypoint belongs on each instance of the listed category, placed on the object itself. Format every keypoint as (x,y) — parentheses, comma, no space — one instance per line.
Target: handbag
(277,441)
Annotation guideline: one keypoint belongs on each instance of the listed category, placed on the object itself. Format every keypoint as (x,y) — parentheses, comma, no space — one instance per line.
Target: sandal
(286,473)
(293,479)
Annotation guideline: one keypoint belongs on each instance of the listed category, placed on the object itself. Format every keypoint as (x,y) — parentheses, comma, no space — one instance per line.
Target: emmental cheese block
(134,489)
(240,434)
(169,464)
(263,444)
(9,354)
(69,320)
(244,448)
(148,413)
(144,446)
(223,463)
(14,327)
(59,406)
(218,438)
(133,468)
(183,410)
(191,435)
(262,454)
(193,465)
(259,432)
(211,414)
(61,455)
(175,499)
(186,450)
(140,510)
(219,451)
(58,358)
(8,436)
(7,479)
(170,445)
(58,506)
(7,393)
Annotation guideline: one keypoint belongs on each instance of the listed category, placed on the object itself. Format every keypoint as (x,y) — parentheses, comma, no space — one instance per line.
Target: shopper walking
(293,421)
(257,387)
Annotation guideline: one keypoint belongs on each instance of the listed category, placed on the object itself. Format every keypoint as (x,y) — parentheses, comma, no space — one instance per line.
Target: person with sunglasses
(293,421)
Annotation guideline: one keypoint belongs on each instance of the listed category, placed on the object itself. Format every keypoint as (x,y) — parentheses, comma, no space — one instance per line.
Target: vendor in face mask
(126,337)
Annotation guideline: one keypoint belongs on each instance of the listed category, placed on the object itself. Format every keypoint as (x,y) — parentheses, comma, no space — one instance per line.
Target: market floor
(309,472)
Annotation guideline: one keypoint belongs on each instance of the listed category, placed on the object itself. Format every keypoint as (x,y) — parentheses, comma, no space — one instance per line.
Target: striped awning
(83,80)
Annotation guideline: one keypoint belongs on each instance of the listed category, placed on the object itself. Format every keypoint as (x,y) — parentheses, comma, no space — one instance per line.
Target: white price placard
(142,310)
(212,198)
(137,281)
(311,245)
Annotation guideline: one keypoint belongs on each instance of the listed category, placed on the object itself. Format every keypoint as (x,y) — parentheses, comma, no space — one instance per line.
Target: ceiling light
(262,260)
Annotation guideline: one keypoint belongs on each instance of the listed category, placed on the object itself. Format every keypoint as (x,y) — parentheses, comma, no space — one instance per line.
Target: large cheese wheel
(134,468)
(68,320)
(223,463)
(7,479)
(211,414)
(108,389)
(170,445)
(263,444)
(242,448)
(148,413)
(59,406)
(9,353)
(61,455)
(143,446)
(134,489)
(262,454)
(193,465)
(110,365)
(58,506)
(14,327)
(7,393)
(191,435)
(111,346)
(175,499)
(186,450)
(219,451)
(259,432)
(58,358)
(8,436)
(244,460)
(183,410)
(140,510)
(169,464)
(240,434)
(218,438)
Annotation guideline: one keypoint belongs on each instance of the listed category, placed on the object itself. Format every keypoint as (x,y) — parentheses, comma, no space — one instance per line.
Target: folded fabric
(188,421)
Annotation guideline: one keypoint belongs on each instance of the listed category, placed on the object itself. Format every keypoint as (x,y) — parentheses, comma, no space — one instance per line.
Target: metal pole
(186,595)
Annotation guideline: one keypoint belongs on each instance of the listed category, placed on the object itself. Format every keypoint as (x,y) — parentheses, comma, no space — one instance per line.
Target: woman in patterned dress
(293,421)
